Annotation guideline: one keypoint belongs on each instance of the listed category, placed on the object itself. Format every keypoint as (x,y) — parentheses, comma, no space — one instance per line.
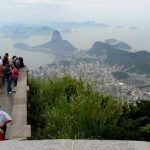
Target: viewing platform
(16,106)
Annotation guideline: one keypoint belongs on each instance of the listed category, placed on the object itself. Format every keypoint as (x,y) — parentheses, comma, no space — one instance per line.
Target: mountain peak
(56,36)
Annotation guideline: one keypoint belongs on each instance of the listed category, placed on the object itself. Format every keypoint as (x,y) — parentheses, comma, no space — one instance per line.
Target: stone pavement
(16,106)
(6,101)
(74,145)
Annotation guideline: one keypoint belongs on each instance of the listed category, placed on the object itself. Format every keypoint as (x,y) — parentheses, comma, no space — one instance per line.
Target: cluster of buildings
(98,74)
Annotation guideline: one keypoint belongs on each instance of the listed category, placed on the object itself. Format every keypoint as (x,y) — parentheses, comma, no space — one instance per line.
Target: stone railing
(74,145)
(19,128)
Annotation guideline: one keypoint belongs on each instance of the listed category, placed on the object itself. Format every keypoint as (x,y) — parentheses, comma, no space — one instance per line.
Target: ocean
(81,38)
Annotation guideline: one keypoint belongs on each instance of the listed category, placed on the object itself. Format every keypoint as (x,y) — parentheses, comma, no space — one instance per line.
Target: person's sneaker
(9,92)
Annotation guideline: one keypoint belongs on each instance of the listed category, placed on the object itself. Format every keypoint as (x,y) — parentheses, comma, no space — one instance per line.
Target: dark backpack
(7,73)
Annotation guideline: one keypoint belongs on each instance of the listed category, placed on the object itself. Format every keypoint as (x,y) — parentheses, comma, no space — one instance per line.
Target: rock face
(140,60)
(57,44)
(118,44)
(111,41)
(56,37)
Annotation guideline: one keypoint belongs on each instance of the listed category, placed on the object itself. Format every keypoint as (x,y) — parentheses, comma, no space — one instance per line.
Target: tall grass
(63,108)
(67,108)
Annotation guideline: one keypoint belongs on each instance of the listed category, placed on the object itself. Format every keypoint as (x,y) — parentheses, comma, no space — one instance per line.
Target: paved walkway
(6,101)
(16,106)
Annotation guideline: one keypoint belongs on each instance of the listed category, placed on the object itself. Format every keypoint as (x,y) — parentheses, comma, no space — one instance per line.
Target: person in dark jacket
(6,59)
(8,78)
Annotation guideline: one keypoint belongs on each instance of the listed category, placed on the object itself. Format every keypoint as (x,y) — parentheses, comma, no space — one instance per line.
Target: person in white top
(1,61)
(4,119)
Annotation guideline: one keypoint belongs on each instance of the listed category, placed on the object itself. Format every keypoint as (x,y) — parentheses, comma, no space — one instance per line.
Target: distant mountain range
(70,25)
(24,30)
(115,52)
(17,31)
(138,62)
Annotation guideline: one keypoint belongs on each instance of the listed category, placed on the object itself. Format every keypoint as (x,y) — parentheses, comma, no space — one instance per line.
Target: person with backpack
(6,59)
(15,74)
(1,77)
(8,78)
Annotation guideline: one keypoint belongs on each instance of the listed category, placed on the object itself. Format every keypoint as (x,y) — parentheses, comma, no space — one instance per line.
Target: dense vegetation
(65,108)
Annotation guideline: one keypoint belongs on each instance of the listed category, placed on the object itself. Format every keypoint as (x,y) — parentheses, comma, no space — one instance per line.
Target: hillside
(55,45)
(66,108)
(140,61)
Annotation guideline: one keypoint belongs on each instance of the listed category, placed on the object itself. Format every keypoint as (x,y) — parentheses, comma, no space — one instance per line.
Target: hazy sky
(112,12)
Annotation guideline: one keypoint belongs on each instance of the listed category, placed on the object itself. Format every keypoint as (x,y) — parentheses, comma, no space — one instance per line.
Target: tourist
(1,77)
(15,74)
(13,59)
(6,59)
(8,77)
(21,62)
(17,63)
(1,61)
(4,119)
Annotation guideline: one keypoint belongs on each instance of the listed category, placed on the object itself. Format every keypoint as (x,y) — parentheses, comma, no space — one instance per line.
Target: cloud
(99,10)
(104,4)
(37,2)
(31,1)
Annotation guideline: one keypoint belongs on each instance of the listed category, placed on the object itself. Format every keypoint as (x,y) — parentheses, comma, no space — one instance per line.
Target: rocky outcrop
(56,37)
(57,44)
(140,60)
